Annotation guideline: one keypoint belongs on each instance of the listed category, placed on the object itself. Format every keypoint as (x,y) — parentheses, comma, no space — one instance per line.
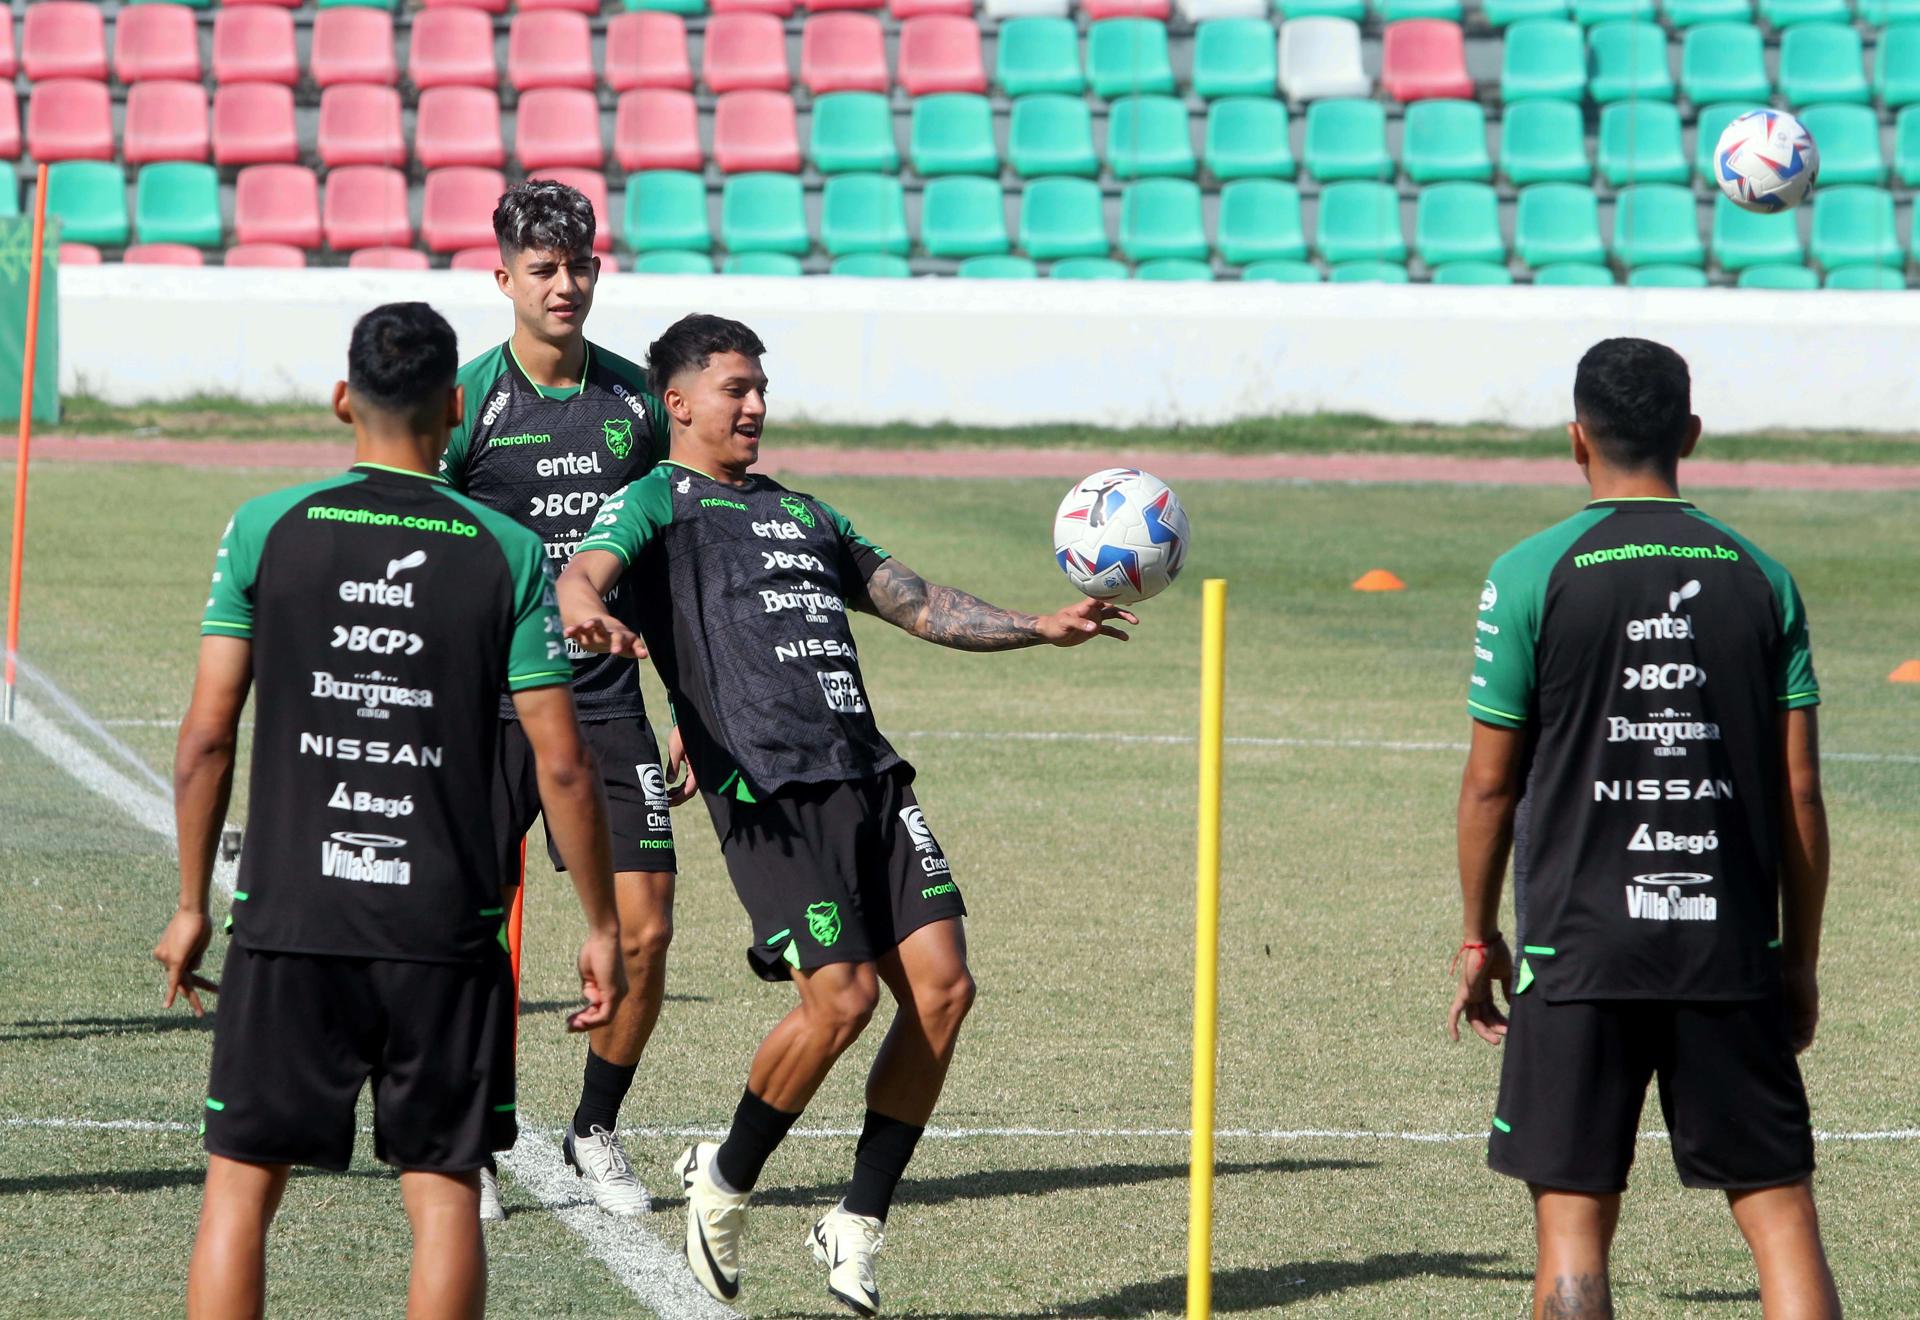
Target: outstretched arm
(954,618)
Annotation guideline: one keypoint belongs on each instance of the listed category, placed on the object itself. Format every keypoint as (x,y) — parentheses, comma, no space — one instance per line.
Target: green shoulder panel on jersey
(845,528)
(1508,626)
(1795,684)
(633,516)
(536,656)
(634,376)
(477,378)
(229,609)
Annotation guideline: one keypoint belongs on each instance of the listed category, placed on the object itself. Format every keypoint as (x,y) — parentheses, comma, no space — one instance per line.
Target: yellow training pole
(1206,948)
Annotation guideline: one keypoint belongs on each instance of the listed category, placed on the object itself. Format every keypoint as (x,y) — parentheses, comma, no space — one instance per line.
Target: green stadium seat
(1051,133)
(1359,221)
(1370,272)
(1347,139)
(1667,277)
(1640,143)
(1655,224)
(1709,123)
(1260,221)
(670,262)
(761,263)
(1854,226)
(1822,62)
(1589,12)
(1087,268)
(1724,62)
(1063,218)
(1906,146)
(1896,70)
(998,268)
(1556,223)
(683,7)
(1544,142)
(1393,11)
(1162,218)
(1505,13)
(1778,277)
(1682,14)
(1148,136)
(1473,272)
(1574,274)
(1866,279)
(90,199)
(668,209)
(761,213)
(852,133)
(1849,139)
(1748,238)
(1443,140)
(952,133)
(963,215)
(1543,58)
(1039,55)
(1235,57)
(178,202)
(1127,56)
(871,266)
(1458,222)
(1354,11)
(862,213)
(1247,138)
(1629,63)
(1283,272)
(1786,13)
(9,196)
(1881,13)
(1173,268)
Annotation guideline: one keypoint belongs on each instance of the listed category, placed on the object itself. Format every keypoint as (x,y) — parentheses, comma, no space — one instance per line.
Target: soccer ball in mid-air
(1766,161)
(1120,535)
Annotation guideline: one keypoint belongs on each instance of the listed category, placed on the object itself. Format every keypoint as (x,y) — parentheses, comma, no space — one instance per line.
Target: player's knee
(644,943)
(844,1014)
(948,1004)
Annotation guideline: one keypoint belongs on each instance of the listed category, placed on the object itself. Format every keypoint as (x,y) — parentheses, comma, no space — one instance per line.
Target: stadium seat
(776,264)
(1359,221)
(1778,277)
(863,213)
(475,258)
(9,129)
(1821,62)
(353,44)
(852,133)
(1859,279)
(1683,14)
(254,44)
(1854,226)
(9,57)
(1473,273)
(1260,221)
(1246,138)
(365,207)
(1781,14)
(1724,62)
(780,9)
(1906,147)
(277,204)
(63,39)
(1543,59)
(1235,57)
(902,10)
(1874,13)
(1173,268)
(963,216)
(1127,56)
(1087,268)
(871,266)
(80,254)
(165,121)
(360,125)
(253,124)
(1442,140)
(668,209)
(763,213)
(593,185)
(952,133)
(1709,123)
(90,199)
(1402,11)
(941,53)
(451,48)
(1588,13)
(1004,11)
(1505,13)
(1849,139)
(1667,277)
(159,41)
(843,52)
(1051,134)
(1574,274)
(823,6)
(745,51)
(558,126)
(1655,224)
(70,119)
(1896,70)
(673,262)
(1320,57)
(554,48)
(1347,139)
(1629,63)
(1640,143)
(1038,55)
(1283,272)
(1556,223)
(389,258)
(1099,10)
(1063,218)
(587,7)
(648,49)
(1370,272)
(1458,222)
(1148,136)
(1748,238)
(752,132)
(178,202)
(1162,218)
(1425,58)
(268,256)
(163,254)
(998,268)
(459,126)
(1353,11)
(457,211)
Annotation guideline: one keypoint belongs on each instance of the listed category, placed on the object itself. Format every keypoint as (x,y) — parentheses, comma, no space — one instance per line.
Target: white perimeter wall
(1103,353)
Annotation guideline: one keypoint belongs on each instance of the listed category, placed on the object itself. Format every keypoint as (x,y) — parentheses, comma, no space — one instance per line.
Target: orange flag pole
(19,543)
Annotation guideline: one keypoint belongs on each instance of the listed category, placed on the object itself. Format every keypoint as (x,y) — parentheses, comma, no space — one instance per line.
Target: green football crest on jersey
(823,923)
(797,507)
(618,433)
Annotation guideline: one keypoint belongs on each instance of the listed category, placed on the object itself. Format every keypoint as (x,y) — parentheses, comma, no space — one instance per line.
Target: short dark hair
(689,342)
(544,216)
(402,355)
(1633,398)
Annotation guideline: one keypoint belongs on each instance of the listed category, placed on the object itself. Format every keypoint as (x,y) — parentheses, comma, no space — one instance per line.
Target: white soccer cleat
(597,1157)
(716,1220)
(846,1244)
(491,1210)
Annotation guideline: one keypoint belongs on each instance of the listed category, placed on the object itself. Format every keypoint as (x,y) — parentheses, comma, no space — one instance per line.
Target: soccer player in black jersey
(1644,742)
(741,587)
(377,616)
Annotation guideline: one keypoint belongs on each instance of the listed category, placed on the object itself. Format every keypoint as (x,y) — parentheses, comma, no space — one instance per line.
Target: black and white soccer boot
(491,1210)
(846,1244)
(716,1221)
(598,1158)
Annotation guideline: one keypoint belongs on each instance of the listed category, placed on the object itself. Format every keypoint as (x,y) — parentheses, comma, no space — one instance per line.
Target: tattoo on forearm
(1584,1295)
(946,615)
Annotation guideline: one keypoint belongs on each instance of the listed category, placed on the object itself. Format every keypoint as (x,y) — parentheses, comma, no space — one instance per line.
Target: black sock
(758,1128)
(886,1144)
(601,1091)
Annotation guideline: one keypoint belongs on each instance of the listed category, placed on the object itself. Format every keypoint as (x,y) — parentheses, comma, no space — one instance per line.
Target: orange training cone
(1906,673)
(1378,579)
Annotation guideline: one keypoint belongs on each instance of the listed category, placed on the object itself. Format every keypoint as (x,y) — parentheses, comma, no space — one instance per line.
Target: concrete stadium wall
(1106,354)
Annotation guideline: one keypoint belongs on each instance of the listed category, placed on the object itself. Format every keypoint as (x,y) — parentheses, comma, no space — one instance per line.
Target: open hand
(1480,971)
(1084,620)
(182,945)
(606,635)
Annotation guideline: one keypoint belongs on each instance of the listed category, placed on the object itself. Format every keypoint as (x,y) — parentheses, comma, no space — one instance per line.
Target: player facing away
(377,616)
(1644,741)
(742,587)
(552,426)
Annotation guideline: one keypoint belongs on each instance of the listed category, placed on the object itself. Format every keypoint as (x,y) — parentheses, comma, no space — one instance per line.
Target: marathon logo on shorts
(1667,896)
(348,855)
(843,693)
(931,860)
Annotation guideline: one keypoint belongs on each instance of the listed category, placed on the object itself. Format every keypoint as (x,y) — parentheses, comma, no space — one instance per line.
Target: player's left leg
(449,1276)
(1575,1233)
(1783,1229)
(228,1274)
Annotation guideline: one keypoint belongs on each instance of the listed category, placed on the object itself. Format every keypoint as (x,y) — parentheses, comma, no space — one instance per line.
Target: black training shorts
(296,1037)
(630,774)
(833,873)
(1575,1076)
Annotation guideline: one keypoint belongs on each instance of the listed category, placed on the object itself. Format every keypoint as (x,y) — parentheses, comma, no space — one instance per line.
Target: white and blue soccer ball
(1766,161)
(1120,535)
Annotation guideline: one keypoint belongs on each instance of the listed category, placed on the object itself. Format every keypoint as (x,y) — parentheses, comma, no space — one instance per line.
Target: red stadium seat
(484,6)
(277,4)
(659,129)
(458,126)
(902,10)
(452,48)
(254,44)
(389,258)
(843,53)
(163,254)
(353,44)
(9,58)
(941,53)
(64,39)
(823,6)
(458,212)
(1425,58)
(360,125)
(550,50)
(70,119)
(1099,9)
(778,8)
(165,121)
(366,206)
(278,204)
(80,254)
(253,125)
(587,7)
(594,184)
(274,256)
(156,41)
(755,131)
(648,49)
(9,128)
(745,51)
(558,126)
(476,258)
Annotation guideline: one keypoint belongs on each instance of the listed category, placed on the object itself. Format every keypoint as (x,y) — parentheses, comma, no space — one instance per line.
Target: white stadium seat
(1199,11)
(1320,57)
(1003,9)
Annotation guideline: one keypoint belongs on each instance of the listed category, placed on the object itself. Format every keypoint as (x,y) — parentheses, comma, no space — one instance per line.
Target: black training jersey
(386,615)
(1648,650)
(742,597)
(548,458)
